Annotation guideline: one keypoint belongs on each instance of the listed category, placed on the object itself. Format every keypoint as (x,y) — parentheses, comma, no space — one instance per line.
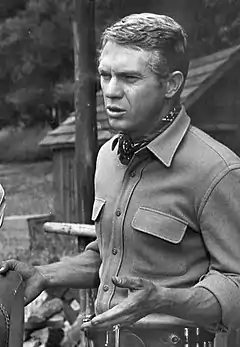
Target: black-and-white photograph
(119,173)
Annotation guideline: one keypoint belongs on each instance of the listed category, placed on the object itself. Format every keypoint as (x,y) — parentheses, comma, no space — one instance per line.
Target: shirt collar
(166,144)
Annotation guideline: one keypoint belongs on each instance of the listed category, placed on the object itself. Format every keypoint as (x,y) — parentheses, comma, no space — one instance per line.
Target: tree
(9,8)
(35,55)
(218,26)
(36,47)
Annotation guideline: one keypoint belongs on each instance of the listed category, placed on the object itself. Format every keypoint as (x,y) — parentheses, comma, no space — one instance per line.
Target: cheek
(139,99)
(133,96)
(103,88)
(148,104)
(104,99)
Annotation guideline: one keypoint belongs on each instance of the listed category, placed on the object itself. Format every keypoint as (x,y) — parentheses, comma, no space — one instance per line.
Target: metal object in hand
(116,329)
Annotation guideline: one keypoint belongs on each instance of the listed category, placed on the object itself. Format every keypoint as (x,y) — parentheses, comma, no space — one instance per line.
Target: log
(40,318)
(73,229)
(74,335)
(49,308)
(48,337)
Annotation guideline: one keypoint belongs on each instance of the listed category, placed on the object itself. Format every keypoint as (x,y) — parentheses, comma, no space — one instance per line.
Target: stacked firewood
(54,320)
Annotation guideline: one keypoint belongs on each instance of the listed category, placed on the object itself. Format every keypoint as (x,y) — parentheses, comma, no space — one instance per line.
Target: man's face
(133,96)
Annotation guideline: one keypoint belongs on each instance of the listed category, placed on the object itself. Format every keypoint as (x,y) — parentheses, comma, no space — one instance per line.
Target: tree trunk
(85,113)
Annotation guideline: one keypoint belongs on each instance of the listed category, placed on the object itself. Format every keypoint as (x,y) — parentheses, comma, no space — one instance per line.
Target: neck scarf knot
(127,147)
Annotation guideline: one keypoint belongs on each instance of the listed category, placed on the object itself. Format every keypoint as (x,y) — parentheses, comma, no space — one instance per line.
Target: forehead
(118,57)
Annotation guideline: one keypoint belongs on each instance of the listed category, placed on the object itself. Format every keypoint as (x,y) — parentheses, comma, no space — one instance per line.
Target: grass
(25,172)
(22,145)
(29,190)
(27,178)
(28,187)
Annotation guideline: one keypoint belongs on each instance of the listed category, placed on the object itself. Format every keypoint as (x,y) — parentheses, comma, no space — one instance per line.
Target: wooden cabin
(211,97)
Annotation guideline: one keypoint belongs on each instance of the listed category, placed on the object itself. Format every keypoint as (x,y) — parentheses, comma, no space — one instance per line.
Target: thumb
(127,282)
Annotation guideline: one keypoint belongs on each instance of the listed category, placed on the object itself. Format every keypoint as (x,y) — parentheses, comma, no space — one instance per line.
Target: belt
(176,336)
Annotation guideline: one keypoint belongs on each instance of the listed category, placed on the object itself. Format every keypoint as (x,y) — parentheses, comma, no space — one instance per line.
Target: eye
(105,76)
(131,78)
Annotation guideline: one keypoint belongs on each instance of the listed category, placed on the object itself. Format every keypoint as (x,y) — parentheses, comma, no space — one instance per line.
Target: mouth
(115,111)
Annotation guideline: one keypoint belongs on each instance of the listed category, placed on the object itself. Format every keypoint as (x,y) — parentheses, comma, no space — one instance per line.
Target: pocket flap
(159,224)
(97,208)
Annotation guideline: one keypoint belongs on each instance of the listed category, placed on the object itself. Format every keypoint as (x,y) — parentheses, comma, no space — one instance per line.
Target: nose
(113,89)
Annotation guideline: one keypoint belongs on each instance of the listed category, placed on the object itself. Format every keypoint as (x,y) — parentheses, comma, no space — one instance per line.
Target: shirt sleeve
(220,227)
(93,246)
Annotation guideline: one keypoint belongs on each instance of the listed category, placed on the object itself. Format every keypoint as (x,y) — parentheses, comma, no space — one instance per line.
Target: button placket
(117,231)
(105,288)
(118,212)
(132,174)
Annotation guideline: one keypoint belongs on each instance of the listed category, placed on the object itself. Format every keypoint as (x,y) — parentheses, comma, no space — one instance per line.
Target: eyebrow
(121,73)
(101,69)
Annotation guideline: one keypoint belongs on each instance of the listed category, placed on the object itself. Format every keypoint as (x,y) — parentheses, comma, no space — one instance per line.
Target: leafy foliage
(36,53)
(36,59)
(218,26)
(36,50)
(9,8)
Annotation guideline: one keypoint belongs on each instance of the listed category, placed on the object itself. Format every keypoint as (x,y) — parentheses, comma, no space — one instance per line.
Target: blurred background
(37,60)
(37,90)
(37,121)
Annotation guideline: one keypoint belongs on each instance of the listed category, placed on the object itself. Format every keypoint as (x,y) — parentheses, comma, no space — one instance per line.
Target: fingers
(125,321)
(124,314)
(116,315)
(131,283)
(32,279)
(7,265)
(130,309)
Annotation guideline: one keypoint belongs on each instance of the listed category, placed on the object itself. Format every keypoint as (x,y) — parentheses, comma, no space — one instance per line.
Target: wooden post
(85,111)
(85,106)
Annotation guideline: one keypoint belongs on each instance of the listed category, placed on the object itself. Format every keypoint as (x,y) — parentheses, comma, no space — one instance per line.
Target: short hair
(160,35)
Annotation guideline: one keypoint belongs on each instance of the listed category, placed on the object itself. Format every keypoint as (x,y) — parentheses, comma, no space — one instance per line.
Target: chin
(118,125)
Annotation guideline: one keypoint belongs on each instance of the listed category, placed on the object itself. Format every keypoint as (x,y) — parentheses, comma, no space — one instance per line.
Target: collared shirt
(171,216)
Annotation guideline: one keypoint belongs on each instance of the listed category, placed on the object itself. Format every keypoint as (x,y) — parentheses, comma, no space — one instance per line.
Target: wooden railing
(73,229)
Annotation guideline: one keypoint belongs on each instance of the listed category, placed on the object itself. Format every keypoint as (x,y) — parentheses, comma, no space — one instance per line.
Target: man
(167,200)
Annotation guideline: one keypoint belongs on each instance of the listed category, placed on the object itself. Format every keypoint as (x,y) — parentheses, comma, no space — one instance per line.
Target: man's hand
(142,300)
(33,279)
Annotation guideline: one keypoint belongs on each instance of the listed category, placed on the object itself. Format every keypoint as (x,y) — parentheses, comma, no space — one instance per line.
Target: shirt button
(105,288)
(114,251)
(118,212)
(133,174)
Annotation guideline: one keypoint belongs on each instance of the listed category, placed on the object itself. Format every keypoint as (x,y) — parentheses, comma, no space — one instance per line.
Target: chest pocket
(158,243)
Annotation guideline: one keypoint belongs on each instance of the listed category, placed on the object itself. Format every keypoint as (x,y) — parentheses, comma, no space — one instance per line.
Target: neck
(156,125)
(127,146)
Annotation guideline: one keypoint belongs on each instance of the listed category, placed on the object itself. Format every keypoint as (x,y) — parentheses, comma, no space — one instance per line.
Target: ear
(174,83)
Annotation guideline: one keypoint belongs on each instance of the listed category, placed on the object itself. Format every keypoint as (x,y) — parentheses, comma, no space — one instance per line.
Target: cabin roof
(203,73)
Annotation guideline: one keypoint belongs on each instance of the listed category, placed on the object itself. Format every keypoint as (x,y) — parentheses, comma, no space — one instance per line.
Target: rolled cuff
(226,289)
